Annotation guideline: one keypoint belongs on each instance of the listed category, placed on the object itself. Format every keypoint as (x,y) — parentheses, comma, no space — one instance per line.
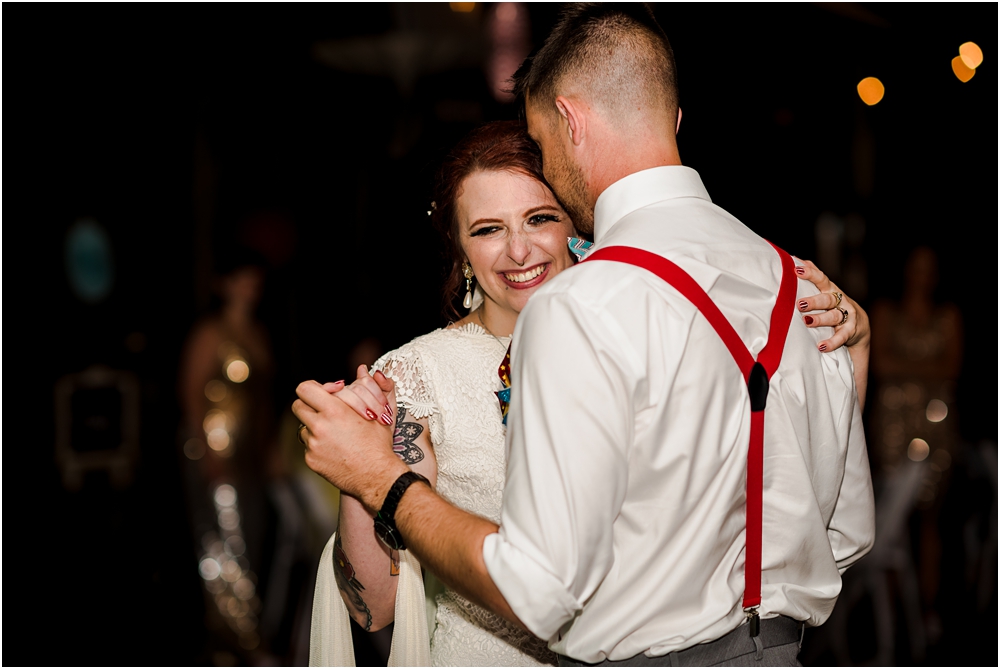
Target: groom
(624,525)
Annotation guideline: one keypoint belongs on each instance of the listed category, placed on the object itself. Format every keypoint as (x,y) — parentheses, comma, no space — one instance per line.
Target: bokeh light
(971,55)
(215,390)
(937,411)
(209,569)
(871,90)
(218,439)
(194,449)
(244,588)
(918,450)
(235,546)
(225,495)
(961,70)
(462,7)
(237,370)
(229,519)
(215,419)
(940,460)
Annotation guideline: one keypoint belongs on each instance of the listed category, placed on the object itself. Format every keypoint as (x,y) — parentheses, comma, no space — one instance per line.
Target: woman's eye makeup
(483,231)
(538,219)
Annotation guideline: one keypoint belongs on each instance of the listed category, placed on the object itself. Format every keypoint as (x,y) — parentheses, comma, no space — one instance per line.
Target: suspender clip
(753,622)
(758,385)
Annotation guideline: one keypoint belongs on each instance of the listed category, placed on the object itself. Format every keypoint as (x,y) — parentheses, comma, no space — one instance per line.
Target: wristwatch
(385,519)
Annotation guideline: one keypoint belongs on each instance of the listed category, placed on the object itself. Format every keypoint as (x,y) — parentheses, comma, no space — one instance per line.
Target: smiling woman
(505,228)
(513,233)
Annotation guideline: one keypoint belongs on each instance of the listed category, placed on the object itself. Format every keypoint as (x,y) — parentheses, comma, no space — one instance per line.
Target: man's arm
(356,456)
(852,526)
(449,542)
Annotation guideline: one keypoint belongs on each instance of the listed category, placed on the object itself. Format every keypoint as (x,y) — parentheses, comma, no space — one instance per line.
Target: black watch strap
(385,519)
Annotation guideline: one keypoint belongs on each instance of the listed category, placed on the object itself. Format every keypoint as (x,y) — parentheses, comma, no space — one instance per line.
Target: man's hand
(352,453)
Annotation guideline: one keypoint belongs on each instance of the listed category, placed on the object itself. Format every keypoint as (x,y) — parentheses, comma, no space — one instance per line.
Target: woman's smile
(526,278)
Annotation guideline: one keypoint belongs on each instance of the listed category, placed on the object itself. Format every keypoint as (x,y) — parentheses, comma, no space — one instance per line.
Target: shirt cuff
(538,598)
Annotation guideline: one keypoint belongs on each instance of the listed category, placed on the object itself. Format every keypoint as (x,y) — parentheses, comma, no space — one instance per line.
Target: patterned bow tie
(504,395)
(578,247)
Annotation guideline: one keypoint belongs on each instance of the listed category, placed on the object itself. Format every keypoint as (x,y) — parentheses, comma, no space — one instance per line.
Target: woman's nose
(518,248)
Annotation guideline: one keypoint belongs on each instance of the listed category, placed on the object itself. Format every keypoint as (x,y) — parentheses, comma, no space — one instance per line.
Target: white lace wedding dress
(450,377)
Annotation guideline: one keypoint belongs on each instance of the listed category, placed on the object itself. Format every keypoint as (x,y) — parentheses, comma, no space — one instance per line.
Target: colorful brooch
(504,395)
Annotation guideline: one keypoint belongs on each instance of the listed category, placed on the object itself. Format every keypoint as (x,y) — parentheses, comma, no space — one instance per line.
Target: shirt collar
(642,189)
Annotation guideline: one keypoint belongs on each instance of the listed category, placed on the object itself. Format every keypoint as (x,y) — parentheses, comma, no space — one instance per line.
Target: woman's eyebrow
(485,220)
(537,209)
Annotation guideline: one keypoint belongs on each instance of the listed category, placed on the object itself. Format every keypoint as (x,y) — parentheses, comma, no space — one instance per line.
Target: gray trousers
(779,642)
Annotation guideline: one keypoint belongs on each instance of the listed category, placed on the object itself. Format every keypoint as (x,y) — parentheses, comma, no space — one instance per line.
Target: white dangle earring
(467,272)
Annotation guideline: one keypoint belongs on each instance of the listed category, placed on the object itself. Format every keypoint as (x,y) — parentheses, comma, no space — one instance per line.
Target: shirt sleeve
(569,430)
(405,368)
(852,526)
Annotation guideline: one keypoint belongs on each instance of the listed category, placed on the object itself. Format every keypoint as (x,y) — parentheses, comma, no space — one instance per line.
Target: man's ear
(680,113)
(572,115)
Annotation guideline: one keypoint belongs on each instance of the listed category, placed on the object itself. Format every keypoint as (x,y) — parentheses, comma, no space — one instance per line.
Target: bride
(507,235)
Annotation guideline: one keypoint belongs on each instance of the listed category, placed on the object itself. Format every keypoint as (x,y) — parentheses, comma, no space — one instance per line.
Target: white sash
(330,636)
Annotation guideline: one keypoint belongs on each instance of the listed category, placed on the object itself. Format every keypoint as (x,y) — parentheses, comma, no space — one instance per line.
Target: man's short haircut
(615,53)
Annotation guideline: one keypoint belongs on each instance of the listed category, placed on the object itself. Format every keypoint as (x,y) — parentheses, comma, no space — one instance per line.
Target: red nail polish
(386,420)
(808,320)
(822,347)
(800,270)
(803,305)
(336,382)
(370,414)
(388,410)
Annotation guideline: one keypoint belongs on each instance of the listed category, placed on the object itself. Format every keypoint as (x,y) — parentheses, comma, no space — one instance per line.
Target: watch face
(387,535)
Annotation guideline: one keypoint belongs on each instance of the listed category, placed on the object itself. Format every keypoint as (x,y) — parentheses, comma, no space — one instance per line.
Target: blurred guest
(916,357)
(225,397)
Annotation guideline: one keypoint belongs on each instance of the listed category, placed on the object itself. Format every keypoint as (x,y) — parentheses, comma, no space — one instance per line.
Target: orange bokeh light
(961,70)
(462,7)
(971,55)
(871,90)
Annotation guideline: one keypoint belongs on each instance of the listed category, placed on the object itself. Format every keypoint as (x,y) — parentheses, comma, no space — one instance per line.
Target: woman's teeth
(525,276)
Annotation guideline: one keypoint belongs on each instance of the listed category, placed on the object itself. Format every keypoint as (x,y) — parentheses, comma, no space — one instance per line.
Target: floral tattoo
(349,584)
(403,439)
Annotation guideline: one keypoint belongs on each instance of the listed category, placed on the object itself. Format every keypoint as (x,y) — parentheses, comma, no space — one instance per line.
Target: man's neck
(628,155)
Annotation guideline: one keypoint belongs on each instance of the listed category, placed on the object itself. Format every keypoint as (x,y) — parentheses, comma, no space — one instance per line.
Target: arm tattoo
(349,584)
(404,437)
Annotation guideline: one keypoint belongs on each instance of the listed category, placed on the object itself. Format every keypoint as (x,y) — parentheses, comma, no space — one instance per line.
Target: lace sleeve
(413,390)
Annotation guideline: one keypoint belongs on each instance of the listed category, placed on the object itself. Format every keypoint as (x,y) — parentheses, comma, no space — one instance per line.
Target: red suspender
(756,374)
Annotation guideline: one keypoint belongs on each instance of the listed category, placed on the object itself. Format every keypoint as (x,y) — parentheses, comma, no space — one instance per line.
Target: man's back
(625,498)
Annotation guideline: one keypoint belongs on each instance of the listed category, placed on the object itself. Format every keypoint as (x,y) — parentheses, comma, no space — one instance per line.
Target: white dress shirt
(623,521)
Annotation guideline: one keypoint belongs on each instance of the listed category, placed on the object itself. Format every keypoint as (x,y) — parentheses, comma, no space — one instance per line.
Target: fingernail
(388,410)
(803,305)
(800,270)
(822,347)
(336,382)
(386,420)
(808,320)
(370,414)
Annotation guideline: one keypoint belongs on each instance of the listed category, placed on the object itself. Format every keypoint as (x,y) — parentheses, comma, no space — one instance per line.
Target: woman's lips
(525,278)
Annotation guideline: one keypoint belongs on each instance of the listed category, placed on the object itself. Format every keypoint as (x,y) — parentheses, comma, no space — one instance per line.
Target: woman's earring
(467,272)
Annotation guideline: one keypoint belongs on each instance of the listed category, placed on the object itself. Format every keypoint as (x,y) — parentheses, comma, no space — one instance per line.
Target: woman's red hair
(499,146)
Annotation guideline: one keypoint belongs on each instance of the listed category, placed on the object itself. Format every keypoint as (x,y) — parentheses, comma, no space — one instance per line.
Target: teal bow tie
(578,247)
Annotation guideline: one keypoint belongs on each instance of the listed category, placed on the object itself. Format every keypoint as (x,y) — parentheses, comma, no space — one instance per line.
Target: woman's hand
(849,322)
(852,332)
(367,396)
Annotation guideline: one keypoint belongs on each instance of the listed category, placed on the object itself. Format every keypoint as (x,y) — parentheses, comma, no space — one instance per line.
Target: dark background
(173,125)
